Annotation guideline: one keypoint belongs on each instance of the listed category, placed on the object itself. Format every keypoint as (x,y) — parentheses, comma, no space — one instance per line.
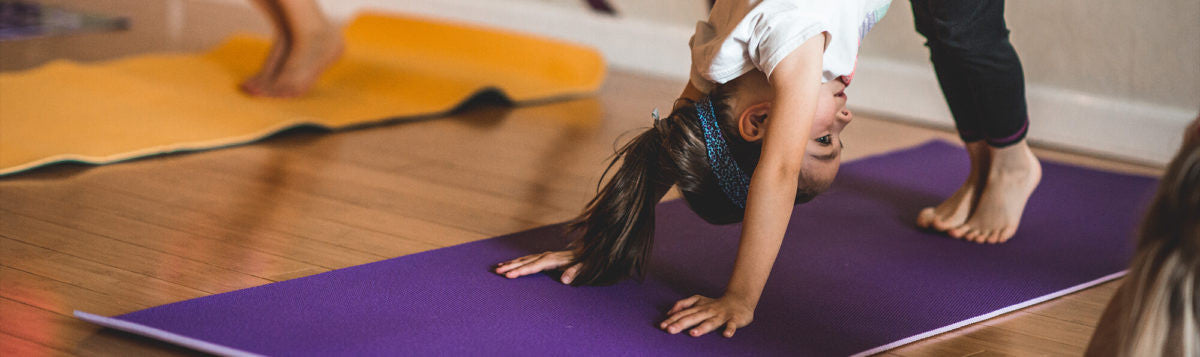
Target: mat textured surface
(393,67)
(853,276)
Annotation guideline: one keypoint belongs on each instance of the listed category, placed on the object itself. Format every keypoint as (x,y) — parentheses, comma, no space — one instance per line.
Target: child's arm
(796,81)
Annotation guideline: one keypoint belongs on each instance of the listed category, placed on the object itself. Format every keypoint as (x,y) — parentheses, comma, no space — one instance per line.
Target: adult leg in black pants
(983,83)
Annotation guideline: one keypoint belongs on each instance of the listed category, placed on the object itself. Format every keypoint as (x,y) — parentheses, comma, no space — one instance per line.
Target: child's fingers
(506,267)
(560,258)
(524,270)
(709,324)
(509,265)
(547,262)
(683,304)
(675,317)
(570,274)
(685,322)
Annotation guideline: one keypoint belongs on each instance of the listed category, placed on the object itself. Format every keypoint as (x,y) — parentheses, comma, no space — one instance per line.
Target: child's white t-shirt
(741,35)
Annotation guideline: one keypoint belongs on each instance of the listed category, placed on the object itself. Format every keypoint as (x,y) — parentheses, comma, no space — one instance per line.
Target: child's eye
(825,140)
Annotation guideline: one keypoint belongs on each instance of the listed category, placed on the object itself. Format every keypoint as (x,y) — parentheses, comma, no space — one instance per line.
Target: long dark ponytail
(617,226)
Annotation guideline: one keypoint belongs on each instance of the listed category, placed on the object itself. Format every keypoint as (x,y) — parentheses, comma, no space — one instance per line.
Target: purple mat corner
(853,276)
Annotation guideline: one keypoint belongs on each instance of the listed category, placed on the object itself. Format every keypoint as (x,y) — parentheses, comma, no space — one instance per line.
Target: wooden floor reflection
(119,238)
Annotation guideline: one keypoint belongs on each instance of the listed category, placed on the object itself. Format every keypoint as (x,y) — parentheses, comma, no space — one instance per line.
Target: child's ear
(752,124)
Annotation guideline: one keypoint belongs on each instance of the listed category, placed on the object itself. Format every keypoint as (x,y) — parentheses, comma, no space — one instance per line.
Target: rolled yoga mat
(853,277)
(393,67)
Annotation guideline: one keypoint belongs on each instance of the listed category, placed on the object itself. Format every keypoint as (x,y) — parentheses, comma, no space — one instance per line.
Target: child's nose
(845,116)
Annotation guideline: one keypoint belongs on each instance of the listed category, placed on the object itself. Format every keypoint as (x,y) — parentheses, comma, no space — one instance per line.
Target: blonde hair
(1161,320)
(1156,308)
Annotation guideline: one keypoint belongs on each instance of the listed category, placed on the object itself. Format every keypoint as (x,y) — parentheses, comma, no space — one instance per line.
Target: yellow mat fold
(393,67)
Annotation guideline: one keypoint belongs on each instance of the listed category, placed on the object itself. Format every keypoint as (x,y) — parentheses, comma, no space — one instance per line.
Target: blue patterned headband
(730,176)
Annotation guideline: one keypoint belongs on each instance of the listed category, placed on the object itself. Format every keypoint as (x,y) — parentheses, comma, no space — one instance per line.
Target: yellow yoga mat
(393,67)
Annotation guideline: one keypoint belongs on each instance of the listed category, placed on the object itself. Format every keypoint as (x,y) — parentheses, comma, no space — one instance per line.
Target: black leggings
(977,67)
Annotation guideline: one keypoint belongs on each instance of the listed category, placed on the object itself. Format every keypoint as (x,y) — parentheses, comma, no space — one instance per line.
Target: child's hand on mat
(709,314)
(536,263)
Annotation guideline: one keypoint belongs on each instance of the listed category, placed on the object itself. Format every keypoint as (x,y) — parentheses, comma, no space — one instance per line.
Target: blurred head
(1173,220)
(1160,300)
(618,223)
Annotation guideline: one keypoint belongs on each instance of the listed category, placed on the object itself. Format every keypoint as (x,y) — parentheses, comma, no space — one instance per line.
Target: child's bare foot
(306,45)
(955,210)
(1015,172)
(308,57)
(257,84)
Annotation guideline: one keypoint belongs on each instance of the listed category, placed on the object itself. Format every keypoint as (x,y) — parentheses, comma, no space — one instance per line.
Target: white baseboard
(1081,121)
(1114,127)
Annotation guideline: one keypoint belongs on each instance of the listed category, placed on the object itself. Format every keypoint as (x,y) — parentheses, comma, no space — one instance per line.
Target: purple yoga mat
(853,277)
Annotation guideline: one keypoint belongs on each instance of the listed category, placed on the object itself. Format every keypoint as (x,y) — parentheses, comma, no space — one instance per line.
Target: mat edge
(161,335)
(984,317)
(257,136)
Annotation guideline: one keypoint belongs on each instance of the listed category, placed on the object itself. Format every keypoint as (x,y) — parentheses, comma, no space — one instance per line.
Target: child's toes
(959,232)
(977,235)
(925,219)
(1007,233)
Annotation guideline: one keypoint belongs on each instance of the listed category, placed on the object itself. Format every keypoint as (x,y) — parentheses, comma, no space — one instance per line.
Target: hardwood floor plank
(938,346)
(15,346)
(564,195)
(386,190)
(64,333)
(139,291)
(1069,333)
(216,214)
(180,270)
(56,296)
(261,255)
(1070,310)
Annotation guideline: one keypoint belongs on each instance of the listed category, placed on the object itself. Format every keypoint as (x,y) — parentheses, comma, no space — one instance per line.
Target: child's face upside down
(824,146)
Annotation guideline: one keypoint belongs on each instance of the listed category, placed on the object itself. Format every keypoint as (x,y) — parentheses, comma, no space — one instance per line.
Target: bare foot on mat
(1015,172)
(258,84)
(308,57)
(955,210)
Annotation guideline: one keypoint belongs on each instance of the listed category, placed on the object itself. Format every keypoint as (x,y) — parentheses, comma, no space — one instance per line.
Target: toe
(988,236)
(1005,234)
(994,236)
(976,235)
(252,86)
(925,218)
(941,225)
(959,232)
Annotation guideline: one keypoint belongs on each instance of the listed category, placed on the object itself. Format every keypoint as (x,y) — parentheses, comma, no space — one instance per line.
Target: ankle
(315,32)
(1017,167)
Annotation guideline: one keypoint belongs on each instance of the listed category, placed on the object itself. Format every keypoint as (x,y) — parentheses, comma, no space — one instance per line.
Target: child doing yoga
(755,132)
